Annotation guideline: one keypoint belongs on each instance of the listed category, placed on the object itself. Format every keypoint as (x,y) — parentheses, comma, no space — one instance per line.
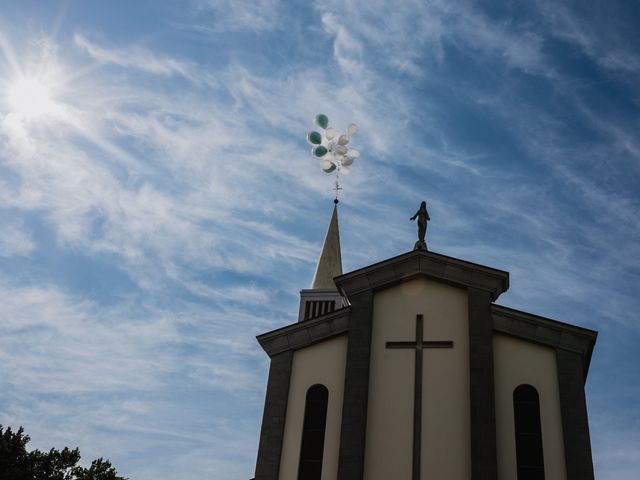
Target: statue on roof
(423,217)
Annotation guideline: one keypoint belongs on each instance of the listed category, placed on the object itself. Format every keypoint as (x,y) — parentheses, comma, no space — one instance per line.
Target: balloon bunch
(334,144)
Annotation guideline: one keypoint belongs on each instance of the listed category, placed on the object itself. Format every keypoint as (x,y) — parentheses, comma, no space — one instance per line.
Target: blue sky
(160,207)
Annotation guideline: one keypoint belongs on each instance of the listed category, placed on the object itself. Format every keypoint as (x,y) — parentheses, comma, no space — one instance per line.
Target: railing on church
(317,308)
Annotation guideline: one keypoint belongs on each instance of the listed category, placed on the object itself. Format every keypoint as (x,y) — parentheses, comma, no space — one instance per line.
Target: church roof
(330,261)
(305,333)
(545,331)
(426,264)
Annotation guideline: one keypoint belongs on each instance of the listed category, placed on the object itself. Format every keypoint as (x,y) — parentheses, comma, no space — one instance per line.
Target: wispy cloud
(15,240)
(134,57)
(434,26)
(85,350)
(233,15)
(601,43)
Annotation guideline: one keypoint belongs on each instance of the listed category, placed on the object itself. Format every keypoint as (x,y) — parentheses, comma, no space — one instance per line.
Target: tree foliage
(16,463)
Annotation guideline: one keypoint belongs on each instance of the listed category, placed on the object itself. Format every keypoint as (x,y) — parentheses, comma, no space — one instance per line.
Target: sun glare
(30,98)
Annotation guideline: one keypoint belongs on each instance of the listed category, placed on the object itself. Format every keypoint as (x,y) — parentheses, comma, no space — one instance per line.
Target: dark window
(315,419)
(526,411)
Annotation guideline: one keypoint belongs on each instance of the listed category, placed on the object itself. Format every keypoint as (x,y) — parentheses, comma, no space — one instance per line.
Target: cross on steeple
(419,344)
(337,188)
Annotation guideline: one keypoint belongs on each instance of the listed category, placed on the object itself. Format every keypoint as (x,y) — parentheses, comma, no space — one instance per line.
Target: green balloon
(319,151)
(330,168)
(322,120)
(314,138)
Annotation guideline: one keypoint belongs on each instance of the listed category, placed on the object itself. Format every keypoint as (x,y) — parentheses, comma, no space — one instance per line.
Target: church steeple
(330,261)
(323,296)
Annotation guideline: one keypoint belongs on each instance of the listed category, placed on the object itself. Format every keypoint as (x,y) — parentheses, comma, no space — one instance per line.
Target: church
(407,370)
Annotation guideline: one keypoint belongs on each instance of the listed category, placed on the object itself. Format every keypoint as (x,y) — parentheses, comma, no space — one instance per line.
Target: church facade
(407,369)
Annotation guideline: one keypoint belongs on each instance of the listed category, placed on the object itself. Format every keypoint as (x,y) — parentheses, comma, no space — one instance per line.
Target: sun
(30,98)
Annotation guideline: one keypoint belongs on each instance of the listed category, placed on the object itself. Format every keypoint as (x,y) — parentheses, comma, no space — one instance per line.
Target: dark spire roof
(330,261)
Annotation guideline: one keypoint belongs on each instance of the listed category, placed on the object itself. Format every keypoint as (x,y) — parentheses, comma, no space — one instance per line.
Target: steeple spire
(323,296)
(330,261)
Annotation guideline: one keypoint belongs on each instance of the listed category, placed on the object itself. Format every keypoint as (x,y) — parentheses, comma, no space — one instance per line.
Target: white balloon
(341,149)
(343,140)
(352,129)
(346,161)
(330,133)
(344,171)
(353,153)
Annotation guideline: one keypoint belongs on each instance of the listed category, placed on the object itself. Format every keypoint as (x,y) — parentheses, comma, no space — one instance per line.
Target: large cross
(418,346)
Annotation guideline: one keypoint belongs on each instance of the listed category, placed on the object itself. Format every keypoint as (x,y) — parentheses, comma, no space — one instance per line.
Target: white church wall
(322,363)
(518,362)
(445,404)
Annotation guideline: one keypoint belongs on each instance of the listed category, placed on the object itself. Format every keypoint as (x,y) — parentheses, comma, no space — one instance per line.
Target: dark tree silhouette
(16,463)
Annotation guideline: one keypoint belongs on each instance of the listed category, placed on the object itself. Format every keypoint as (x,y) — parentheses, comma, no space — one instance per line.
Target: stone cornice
(423,264)
(545,331)
(527,326)
(305,333)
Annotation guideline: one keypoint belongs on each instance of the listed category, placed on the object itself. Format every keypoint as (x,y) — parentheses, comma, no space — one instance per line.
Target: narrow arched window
(315,420)
(526,411)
